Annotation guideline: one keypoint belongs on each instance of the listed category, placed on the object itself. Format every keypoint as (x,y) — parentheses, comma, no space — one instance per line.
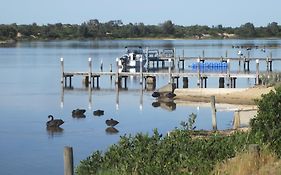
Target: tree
(168,27)
(247,30)
(273,28)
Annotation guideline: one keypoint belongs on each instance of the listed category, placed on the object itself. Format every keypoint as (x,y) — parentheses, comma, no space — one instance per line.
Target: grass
(249,163)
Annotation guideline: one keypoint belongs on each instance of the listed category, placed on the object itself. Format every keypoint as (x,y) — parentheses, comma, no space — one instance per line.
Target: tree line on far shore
(115,29)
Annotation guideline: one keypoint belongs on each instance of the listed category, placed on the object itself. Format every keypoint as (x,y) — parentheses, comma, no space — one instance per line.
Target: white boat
(133,58)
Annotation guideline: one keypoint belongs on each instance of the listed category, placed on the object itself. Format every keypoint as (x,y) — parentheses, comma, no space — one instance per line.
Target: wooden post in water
(228,72)
(213,108)
(221,82)
(185,82)
(174,58)
(203,54)
(62,70)
(257,72)
(68,161)
(116,75)
(101,66)
(270,62)
(170,74)
(90,71)
(198,70)
(141,75)
(110,70)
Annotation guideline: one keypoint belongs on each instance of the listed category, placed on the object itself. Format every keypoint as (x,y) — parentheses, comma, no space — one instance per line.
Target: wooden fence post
(214,118)
(68,160)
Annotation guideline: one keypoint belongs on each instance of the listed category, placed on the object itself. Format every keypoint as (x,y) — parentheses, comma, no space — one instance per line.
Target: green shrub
(180,152)
(266,126)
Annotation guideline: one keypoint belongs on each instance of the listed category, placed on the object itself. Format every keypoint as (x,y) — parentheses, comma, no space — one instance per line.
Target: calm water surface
(30,90)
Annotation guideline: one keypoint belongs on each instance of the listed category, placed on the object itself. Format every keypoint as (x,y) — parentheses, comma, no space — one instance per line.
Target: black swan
(78,112)
(155,94)
(111,122)
(54,122)
(98,112)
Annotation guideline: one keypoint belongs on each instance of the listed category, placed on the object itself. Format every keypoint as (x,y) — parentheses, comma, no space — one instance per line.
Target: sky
(228,13)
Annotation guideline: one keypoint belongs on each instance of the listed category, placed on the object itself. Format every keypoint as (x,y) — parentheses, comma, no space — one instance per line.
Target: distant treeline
(115,29)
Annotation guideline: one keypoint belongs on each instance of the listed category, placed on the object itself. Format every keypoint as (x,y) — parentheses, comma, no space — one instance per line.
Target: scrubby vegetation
(114,29)
(186,151)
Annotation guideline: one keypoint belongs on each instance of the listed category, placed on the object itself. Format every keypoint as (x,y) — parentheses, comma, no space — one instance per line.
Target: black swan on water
(111,122)
(54,122)
(98,112)
(78,112)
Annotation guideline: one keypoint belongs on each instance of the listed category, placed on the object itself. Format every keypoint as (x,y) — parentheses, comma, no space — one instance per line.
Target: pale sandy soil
(242,96)
(240,100)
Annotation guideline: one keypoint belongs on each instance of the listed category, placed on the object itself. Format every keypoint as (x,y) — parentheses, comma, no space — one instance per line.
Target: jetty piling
(198,72)
(90,70)
(141,75)
(221,82)
(228,72)
(185,82)
(257,72)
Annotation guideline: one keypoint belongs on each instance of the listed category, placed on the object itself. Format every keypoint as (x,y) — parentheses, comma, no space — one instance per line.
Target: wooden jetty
(92,78)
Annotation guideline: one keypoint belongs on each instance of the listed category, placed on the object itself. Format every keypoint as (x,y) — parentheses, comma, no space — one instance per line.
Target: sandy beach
(239,100)
(241,96)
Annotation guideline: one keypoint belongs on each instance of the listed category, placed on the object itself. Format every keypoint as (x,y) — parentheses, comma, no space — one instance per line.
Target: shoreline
(239,100)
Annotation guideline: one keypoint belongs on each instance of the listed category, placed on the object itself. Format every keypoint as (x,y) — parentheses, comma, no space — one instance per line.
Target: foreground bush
(179,153)
(266,126)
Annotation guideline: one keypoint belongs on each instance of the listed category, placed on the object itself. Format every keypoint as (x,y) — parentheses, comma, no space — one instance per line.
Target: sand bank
(239,100)
(241,96)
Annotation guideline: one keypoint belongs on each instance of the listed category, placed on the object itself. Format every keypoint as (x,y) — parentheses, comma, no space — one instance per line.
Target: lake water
(30,90)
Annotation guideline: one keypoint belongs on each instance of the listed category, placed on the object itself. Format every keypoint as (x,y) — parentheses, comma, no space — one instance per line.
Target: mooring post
(205,81)
(185,82)
(170,74)
(68,160)
(174,57)
(90,71)
(203,54)
(226,54)
(110,70)
(228,72)
(62,70)
(221,82)
(257,72)
(141,75)
(101,66)
(270,62)
(116,75)
(198,71)
(214,118)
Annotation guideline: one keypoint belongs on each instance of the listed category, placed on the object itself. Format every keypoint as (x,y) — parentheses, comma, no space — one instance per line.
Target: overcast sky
(182,12)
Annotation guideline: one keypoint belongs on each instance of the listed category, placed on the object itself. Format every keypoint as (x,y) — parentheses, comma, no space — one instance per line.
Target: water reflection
(111,130)
(79,116)
(54,131)
(167,105)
